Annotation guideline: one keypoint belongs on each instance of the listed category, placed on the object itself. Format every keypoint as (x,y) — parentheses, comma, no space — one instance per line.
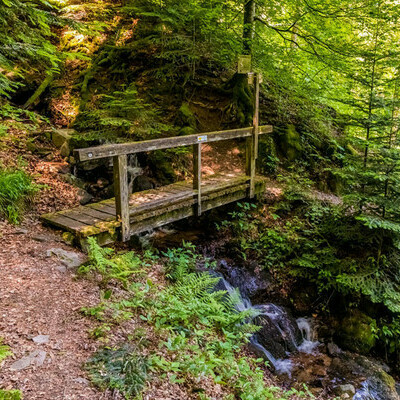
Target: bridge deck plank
(150,206)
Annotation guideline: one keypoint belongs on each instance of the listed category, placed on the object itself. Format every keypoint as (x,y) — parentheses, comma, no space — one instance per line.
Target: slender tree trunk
(249,26)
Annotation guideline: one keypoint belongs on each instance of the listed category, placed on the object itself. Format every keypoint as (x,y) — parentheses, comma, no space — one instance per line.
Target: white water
(279,317)
(368,391)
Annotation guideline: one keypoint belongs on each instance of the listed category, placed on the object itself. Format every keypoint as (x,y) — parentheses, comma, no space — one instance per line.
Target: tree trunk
(249,26)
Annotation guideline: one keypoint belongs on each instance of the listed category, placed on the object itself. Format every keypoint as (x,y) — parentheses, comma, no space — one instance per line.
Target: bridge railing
(119,152)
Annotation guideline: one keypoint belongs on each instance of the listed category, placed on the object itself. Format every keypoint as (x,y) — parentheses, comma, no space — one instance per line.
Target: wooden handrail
(119,152)
(111,150)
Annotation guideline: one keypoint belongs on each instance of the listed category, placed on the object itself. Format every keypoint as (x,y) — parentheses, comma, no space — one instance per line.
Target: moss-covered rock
(289,142)
(357,332)
(186,116)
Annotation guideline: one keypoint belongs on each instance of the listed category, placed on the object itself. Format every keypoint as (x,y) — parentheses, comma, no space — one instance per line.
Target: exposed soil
(38,296)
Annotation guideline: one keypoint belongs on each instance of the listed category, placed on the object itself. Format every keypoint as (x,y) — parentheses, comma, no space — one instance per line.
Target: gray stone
(61,268)
(39,238)
(68,258)
(41,339)
(36,358)
(82,381)
(333,349)
(84,197)
(21,231)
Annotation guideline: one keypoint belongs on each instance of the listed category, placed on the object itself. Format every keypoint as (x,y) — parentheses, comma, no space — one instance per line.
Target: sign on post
(244,64)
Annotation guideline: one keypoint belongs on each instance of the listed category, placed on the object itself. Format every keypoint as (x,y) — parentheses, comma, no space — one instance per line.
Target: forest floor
(39,295)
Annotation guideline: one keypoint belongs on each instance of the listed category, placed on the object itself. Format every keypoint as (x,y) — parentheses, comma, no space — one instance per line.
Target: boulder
(279,332)
(290,143)
(357,332)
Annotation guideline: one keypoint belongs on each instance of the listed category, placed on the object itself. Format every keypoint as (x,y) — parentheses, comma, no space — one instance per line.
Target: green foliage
(119,267)
(10,394)
(121,369)
(122,114)
(16,191)
(200,331)
(4,351)
(26,41)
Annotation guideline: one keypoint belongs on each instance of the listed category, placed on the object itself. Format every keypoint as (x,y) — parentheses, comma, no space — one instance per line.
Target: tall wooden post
(197,175)
(252,141)
(122,194)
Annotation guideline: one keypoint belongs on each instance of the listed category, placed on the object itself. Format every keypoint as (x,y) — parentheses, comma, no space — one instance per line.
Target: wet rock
(251,283)
(36,358)
(68,258)
(357,332)
(333,349)
(84,197)
(41,339)
(279,332)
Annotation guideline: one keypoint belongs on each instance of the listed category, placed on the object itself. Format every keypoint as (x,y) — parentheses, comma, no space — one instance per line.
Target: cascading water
(286,330)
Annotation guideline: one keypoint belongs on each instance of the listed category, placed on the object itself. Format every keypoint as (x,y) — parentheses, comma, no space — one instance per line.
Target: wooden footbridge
(128,214)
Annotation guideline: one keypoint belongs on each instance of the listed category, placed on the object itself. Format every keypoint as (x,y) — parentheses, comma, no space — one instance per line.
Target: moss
(357,332)
(187,130)
(186,116)
(290,143)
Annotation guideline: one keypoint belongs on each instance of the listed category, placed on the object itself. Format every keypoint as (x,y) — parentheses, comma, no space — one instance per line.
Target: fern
(16,192)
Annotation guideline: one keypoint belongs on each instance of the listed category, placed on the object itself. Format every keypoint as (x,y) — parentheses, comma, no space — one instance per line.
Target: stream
(291,347)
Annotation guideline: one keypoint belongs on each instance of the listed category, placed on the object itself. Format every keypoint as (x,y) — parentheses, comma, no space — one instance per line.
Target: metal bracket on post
(122,194)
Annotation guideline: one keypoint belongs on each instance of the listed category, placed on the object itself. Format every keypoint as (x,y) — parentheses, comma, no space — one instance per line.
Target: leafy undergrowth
(172,326)
(16,192)
(7,394)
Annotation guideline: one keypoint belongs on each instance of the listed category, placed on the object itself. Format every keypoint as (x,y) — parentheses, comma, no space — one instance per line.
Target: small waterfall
(134,170)
(309,343)
(283,326)
(368,391)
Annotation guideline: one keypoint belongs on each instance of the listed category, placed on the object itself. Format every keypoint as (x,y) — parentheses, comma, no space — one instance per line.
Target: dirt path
(40,296)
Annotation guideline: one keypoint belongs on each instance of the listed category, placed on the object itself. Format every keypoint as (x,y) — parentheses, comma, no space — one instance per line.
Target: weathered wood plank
(254,146)
(197,175)
(122,194)
(63,222)
(112,150)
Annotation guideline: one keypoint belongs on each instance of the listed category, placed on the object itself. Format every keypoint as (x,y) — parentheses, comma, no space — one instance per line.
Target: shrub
(16,191)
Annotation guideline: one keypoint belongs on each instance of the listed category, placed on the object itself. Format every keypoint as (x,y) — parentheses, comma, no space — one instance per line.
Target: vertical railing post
(122,194)
(197,175)
(252,141)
